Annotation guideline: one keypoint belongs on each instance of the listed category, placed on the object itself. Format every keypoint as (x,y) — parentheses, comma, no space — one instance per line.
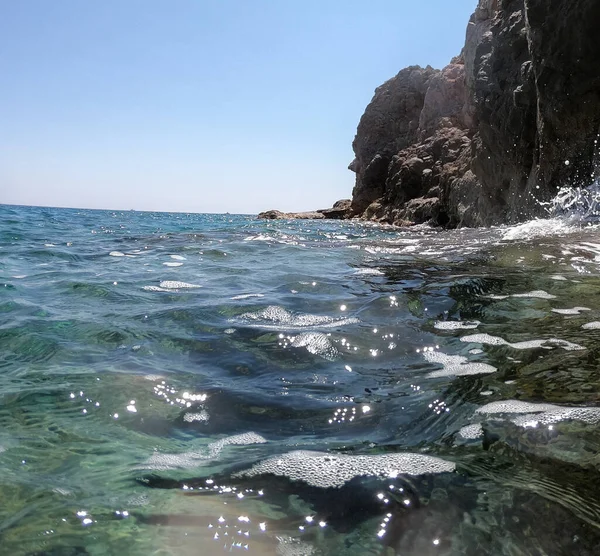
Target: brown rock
(271,215)
(278,215)
(390,123)
(489,136)
(341,210)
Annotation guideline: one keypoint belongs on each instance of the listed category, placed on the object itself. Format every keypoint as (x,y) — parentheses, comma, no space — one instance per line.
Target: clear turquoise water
(133,406)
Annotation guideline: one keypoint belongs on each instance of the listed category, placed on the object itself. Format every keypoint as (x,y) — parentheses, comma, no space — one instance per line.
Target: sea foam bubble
(455,365)
(325,470)
(276,317)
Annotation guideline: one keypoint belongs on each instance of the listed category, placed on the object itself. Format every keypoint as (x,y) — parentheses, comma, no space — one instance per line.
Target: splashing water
(576,203)
(569,210)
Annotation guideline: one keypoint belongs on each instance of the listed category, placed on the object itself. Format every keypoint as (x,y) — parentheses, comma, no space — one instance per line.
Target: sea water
(207,384)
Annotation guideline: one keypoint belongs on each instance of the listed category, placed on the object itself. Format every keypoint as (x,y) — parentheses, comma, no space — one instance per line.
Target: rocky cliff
(510,120)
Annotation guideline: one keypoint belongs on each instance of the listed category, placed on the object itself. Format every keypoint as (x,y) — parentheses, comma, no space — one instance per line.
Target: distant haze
(200,105)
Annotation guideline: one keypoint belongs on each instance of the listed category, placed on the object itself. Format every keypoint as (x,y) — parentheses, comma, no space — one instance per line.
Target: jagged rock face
(414,173)
(485,139)
(444,104)
(501,99)
(390,123)
(565,55)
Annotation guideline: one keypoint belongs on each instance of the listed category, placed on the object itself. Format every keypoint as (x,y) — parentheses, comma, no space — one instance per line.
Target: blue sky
(200,105)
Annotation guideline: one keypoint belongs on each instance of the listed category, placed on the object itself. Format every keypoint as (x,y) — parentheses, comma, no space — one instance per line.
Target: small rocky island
(340,210)
(510,120)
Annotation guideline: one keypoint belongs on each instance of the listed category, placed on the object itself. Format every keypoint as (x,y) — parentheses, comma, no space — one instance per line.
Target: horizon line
(128,210)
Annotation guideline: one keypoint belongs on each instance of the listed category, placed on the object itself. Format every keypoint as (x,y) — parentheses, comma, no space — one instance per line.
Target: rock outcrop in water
(510,120)
(278,215)
(339,211)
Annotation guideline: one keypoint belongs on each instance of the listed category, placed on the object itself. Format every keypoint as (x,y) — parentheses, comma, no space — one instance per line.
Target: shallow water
(185,384)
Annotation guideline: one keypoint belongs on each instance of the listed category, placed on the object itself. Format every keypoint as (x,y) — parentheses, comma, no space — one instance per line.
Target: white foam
(594,247)
(537,228)
(155,289)
(537,294)
(173,264)
(243,439)
(186,460)
(558,277)
(487,339)
(456,325)
(594,325)
(116,254)
(164,462)
(548,344)
(534,414)
(573,311)
(324,470)
(455,365)
(368,272)
(471,432)
(178,257)
(515,406)
(247,296)
(289,546)
(153,378)
(316,343)
(589,415)
(176,285)
(275,317)
(202,416)
(258,238)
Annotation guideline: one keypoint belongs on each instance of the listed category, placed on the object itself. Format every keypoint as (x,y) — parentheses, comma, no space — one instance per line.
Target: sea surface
(183,384)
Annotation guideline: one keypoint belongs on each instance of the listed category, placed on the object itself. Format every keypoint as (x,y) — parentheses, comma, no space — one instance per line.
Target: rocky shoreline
(512,118)
(341,210)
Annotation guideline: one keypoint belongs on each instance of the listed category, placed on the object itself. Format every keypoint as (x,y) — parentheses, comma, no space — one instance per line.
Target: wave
(576,202)
(569,210)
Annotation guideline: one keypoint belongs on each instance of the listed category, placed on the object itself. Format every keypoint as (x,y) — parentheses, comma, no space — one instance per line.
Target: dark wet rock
(409,513)
(390,503)
(503,126)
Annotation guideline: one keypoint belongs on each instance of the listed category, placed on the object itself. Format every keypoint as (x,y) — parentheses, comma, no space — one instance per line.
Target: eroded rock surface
(510,120)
